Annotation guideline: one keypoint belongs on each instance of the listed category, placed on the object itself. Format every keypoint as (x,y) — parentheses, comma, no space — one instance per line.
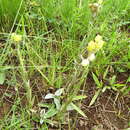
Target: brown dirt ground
(109,112)
(106,113)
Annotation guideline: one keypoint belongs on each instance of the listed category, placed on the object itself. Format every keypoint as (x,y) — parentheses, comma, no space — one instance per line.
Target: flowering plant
(93,47)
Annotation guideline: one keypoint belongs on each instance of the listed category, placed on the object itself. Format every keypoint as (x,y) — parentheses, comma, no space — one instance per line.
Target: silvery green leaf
(50,113)
(80,97)
(78,110)
(97,93)
(98,83)
(49,96)
(59,92)
(45,105)
(70,107)
(57,102)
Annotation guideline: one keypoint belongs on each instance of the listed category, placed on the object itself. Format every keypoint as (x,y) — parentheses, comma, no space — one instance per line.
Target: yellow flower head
(16,38)
(94,46)
(100,44)
(99,41)
(98,38)
(91,46)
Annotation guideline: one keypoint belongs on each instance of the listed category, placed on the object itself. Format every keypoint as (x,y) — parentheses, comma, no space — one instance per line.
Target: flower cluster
(16,37)
(93,47)
(96,45)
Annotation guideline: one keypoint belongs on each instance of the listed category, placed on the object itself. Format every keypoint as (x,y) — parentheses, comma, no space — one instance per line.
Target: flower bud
(91,57)
(98,38)
(85,62)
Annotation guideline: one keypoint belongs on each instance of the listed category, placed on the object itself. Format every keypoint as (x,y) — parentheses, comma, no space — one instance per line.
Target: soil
(106,113)
(109,112)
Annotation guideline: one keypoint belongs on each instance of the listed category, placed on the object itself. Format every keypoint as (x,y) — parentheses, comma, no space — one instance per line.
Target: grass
(54,35)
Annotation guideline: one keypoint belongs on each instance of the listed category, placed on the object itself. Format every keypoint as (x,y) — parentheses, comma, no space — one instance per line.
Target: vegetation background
(55,33)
